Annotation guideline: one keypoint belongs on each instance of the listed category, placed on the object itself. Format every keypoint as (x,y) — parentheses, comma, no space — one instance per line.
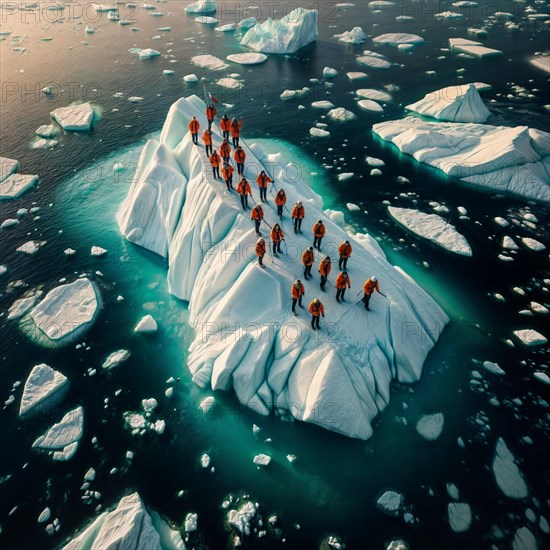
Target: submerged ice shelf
(175,208)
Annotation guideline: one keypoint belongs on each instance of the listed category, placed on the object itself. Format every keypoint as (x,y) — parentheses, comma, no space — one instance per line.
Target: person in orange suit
(211,115)
(277,236)
(244,190)
(236,126)
(240,157)
(280,201)
(371,284)
(342,281)
(260,251)
(297,292)
(194,127)
(262,180)
(316,309)
(257,216)
(215,162)
(307,259)
(324,269)
(298,213)
(207,139)
(318,234)
(225,126)
(344,250)
(225,151)
(227,175)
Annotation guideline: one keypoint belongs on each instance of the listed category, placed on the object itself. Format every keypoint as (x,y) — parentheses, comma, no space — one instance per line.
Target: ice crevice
(246,338)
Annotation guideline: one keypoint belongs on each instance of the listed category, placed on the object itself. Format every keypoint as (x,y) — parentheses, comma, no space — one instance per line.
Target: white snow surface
(43,388)
(75,118)
(507,475)
(287,35)
(513,159)
(176,210)
(432,227)
(454,103)
(129,525)
(66,309)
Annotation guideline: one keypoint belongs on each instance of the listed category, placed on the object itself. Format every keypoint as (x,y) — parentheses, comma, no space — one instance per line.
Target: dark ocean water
(333,486)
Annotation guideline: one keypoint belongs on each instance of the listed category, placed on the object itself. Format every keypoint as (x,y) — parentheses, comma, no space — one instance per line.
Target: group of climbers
(342,283)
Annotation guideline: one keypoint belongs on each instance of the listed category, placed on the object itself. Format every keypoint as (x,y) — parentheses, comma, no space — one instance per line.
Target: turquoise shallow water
(335,482)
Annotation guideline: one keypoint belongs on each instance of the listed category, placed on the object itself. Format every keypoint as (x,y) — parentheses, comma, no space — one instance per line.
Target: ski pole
(270,227)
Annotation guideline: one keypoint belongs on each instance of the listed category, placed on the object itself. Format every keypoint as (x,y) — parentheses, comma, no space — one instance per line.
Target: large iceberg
(454,103)
(286,35)
(246,336)
(514,159)
(128,526)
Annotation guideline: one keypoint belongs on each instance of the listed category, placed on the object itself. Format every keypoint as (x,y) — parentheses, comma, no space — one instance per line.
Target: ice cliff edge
(246,337)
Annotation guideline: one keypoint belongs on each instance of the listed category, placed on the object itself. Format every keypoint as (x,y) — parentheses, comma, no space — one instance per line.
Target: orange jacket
(225,123)
(211,113)
(319,230)
(341,282)
(244,188)
(207,137)
(260,249)
(262,181)
(194,126)
(280,199)
(215,159)
(236,129)
(276,236)
(226,172)
(369,287)
(240,156)
(225,149)
(298,212)
(297,291)
(316,309)
(344,250)
(325,267)
(308,257)
(257,214)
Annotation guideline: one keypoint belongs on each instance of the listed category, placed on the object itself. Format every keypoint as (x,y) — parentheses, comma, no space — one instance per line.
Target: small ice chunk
(344,176)
(533,244)
(44,515)
(77,117)
(542,377)
(191,521)
(430,426)
(319,133)
(502,222)
(369,105)
(44,387)
(340,114)
(324,104)
(373,161)
(190,78)
(262,460)
(207,61)
(507,475)
(146,325)
(390,502)
(248,58)
(97,251)
(493,368)
(355,36)
(460,516)
(530,337)
(115,359)
(149,405)
(207,404)
(89,475)
(329,72)
(205,460)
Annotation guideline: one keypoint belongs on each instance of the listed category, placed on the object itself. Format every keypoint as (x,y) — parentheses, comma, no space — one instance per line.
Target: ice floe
(471,47)
(432,227)
(530,337)
(249,58)
(507,475)
(64,436)
(396,38)
(77,117)
(44,388)
(207,61)
(430,426)
(460,516)
(13,184)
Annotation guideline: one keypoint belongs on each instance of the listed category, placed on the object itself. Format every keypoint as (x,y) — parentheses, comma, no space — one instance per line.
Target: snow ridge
(246,336)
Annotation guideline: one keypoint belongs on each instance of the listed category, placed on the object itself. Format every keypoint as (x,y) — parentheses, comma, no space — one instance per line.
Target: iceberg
(65,434)
(430,426)
(471,47)
(67,310)
(454,104)
(77,117)
(513,159)
(286,35)
(44,388)
(129,525)
(460,516)
(433,228)
(202,7)
(355,36)
(175,209)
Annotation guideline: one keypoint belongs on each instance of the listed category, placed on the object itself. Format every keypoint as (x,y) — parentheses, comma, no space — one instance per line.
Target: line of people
(342,283)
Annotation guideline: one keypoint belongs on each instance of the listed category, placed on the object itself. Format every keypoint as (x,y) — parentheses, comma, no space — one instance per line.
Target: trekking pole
(270,227)
(384,295)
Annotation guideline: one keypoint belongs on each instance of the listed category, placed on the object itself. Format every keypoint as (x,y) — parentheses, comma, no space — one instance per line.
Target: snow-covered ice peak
(177,210)
(287,35)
